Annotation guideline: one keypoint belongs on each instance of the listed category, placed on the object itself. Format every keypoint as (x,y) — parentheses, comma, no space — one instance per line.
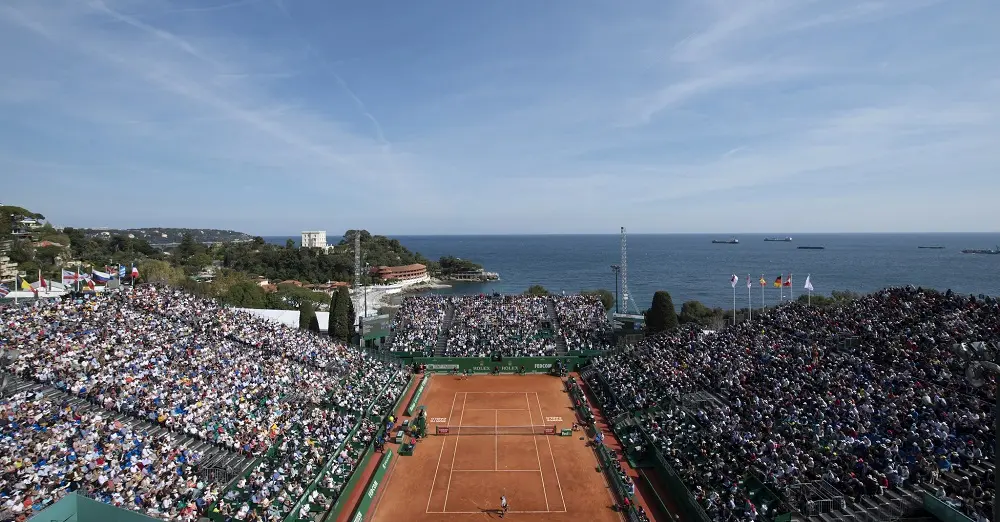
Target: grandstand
(193,409)
(506,325)
(178,408)
(861,412)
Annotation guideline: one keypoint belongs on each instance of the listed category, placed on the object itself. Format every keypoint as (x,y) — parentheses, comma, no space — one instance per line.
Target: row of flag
(70,277)
(779,281)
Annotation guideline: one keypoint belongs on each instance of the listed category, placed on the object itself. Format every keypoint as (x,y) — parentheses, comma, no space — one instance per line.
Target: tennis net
(495,430)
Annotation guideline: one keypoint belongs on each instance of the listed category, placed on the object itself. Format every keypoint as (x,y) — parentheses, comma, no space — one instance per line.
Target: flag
(121,271)
(41,280)
(762,281)
(788,282)
(25,285)
(69,277)
(809,285)
(749,283)
(101,277)
(135,272)
(90,284)
(777,282)
(4,290)
(734,280)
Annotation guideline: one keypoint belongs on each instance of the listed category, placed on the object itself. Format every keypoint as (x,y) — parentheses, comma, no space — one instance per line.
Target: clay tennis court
(461,475)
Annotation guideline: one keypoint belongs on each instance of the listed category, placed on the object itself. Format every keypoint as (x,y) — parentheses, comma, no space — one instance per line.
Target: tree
(661,316)
(331,327)
(307,315)
(188,247)
(606,297)
(48,254)
(341,315)
(697,313)
(246,295)
(155,271)
(537,291)
(314,324)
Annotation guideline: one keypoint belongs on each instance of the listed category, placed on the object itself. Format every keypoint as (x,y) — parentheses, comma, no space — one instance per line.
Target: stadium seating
(836,411)
(282,413)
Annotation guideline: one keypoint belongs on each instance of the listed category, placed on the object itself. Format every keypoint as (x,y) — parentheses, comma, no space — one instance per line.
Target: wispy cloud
(273,116)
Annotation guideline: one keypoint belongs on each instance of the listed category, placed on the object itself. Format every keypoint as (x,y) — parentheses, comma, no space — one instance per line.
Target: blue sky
(559,116)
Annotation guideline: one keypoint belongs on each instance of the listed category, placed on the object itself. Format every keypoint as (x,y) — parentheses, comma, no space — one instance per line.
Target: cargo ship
(732,241)
(994,251)
(782,239)
(811,248)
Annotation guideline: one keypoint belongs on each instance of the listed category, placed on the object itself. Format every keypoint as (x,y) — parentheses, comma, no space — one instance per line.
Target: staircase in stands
(442,342)
(561,348)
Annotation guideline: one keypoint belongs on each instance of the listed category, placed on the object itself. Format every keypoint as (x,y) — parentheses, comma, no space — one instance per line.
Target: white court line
(438,467)
(497,470)
(496,440)
(547,441)
(531,420)
(497,409)
(455,454)
(485,511)
(496,393)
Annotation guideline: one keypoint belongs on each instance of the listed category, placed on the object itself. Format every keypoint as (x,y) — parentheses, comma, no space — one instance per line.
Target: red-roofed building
(390,273)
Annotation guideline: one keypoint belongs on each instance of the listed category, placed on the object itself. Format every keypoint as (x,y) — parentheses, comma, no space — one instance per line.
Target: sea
(691,267)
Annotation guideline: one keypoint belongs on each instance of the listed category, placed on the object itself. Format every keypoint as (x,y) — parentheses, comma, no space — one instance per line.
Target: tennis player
(503,505)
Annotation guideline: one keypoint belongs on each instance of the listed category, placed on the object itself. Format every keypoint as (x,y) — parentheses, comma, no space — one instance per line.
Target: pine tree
(341,322)
(314,324)
(661,316)
(331,327)
(306,314)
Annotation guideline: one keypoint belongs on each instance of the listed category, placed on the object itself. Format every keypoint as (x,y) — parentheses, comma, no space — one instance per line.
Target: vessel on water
(994,251)
(811,248)
(932,247)
(732,241)
(782,239)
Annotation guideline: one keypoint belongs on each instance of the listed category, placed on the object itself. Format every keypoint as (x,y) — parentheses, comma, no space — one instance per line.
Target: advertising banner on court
(373,485)
(506,365)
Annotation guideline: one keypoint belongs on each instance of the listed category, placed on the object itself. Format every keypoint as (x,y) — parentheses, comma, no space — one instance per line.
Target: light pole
(617,270)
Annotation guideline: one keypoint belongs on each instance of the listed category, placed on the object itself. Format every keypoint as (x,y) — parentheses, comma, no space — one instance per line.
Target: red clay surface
(644,494)
(351,503)
(459,477)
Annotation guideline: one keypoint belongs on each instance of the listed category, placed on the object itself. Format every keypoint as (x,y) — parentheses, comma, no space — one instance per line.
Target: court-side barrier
(506,365)
(412,406)
(339,506)
(373,485)
(293,515)
(942,511)
(604,456)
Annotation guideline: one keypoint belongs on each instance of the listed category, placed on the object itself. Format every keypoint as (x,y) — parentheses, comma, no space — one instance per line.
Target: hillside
(168,236)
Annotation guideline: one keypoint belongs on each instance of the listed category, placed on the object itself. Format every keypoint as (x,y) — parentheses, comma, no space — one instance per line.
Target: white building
(314,239)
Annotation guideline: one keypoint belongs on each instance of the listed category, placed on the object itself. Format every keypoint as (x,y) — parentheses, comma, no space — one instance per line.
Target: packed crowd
(190,365)
(48,448)
(418,324)
(583,322)
(869,397)
(509,325)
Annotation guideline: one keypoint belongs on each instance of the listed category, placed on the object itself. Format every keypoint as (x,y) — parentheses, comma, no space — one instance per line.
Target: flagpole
(762,304)
(791,288)
(734,303)
(749,301)
(781,289)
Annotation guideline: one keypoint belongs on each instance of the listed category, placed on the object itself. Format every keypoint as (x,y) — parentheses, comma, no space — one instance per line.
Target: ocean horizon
(691,267)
